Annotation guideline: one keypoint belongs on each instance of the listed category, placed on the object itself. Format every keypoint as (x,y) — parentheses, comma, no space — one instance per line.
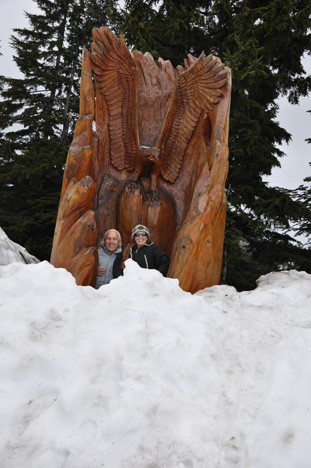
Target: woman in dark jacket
(145,253)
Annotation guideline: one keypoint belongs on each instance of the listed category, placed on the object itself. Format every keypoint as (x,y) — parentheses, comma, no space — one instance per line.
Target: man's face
(111,241)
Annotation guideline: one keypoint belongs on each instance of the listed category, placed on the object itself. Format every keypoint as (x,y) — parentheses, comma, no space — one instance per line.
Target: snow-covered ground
(140,374)
(12,252)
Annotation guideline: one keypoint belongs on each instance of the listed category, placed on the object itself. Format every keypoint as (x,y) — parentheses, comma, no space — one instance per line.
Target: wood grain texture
(158,155)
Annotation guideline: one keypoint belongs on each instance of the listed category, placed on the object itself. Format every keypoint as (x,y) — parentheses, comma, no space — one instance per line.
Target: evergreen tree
(264,46)
(37,115)
(303,195)
(169,29)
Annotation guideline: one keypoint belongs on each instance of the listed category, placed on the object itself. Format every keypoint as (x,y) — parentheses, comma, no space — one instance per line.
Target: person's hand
(101,271)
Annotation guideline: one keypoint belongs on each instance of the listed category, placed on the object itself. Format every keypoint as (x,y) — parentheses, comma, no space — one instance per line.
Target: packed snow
(140,374)
(12,252)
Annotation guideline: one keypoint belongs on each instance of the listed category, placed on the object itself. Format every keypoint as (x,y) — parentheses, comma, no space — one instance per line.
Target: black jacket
(117,270)
(152,257)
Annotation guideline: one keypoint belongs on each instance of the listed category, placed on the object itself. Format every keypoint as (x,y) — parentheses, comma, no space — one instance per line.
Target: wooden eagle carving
(197,89)
(150,147)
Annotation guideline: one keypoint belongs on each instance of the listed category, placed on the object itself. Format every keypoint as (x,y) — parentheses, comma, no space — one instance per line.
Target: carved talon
(153,199)
(132,187)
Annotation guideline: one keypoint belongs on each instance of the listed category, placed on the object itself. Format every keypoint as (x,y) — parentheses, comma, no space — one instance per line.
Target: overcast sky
(295,119)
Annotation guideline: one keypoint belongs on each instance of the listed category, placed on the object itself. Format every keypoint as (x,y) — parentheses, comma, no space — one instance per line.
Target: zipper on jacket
(146,262)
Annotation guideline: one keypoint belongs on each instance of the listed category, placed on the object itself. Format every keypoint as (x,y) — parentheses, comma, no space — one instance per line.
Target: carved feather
(197,90)
(117,79)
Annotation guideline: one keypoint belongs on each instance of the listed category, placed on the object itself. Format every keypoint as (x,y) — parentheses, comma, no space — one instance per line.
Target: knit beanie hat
(140,228)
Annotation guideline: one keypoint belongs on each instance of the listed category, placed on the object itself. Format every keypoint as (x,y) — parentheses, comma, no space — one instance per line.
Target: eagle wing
(117,79)
(197,90)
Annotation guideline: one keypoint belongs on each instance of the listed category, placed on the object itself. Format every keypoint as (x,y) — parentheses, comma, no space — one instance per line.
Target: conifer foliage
(303,195)
(38,112)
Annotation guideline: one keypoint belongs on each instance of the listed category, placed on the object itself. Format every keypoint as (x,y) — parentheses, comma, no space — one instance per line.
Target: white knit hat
(140,228)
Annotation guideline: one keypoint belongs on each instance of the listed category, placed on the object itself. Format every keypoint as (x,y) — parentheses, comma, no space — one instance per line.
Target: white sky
(295,119)
(141,374)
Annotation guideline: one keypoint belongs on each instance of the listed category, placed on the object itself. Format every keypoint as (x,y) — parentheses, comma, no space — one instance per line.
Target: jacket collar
(135,247)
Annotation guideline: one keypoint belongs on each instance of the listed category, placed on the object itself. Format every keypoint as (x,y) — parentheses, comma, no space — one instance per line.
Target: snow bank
(11,252)
(140,374)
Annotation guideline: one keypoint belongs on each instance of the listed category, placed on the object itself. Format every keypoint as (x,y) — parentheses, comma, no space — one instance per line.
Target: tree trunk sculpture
(151,147)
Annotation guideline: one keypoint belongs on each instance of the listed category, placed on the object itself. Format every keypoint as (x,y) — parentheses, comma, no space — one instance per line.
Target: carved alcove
(150,147)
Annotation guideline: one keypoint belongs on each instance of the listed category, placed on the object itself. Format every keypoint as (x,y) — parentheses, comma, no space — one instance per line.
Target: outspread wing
(117,79)
(197,90)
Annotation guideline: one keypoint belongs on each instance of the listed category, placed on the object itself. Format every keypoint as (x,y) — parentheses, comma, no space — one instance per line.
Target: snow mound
(140,374)
(11,252)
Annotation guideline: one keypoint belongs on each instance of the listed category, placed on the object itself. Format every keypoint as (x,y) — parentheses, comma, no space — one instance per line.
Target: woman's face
(140,238)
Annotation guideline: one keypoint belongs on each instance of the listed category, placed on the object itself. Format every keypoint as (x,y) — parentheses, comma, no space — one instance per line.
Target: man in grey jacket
(109,258)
